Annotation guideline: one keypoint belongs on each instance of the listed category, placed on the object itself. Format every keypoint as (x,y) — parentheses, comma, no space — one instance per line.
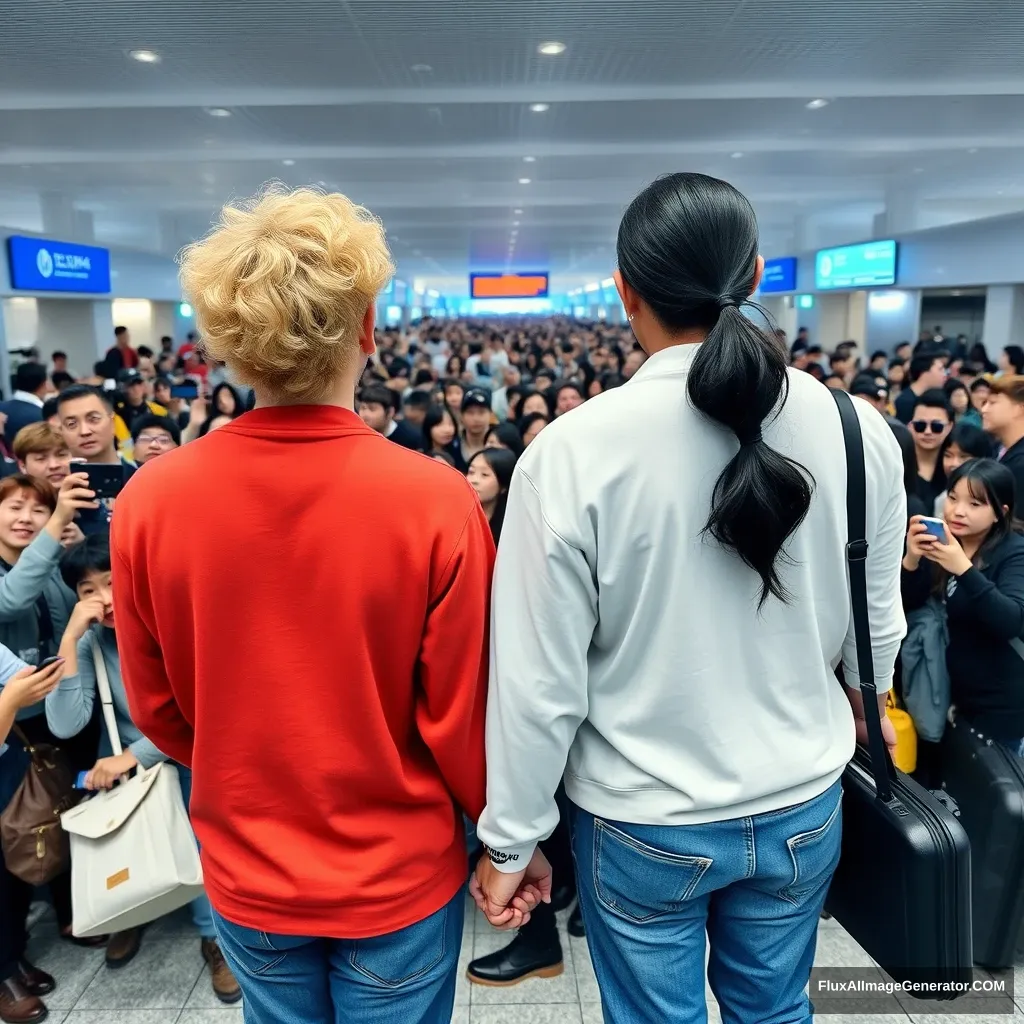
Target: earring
(630,318)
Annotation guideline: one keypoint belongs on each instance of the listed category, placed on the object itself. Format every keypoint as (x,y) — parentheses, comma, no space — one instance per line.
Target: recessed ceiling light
(517,212)
(529,159)
(145,56)
(515,223)
(817,104)
(322,184)
(973,149)
(524,181)
(736,156)
(422,69)
(288,163)
(919,170)
(218,111)
(539,108)
(552,49)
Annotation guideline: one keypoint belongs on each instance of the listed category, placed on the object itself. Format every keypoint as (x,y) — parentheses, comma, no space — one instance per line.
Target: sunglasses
(936,426)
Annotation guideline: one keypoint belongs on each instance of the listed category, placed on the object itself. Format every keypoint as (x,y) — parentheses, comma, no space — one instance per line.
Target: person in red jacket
(314,645)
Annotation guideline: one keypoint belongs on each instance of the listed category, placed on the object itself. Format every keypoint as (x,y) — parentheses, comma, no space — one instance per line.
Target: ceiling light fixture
(218,111)
(552,49)
(145,56)
(517,212)
(524,181)
(817,104)
(736,156)
(539,108)
(973,149)
(529,159)
(422,69)
(515,223)
(288,163)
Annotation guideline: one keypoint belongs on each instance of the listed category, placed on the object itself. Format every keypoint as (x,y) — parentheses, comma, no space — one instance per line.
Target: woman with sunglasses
(929,426)
(978,571)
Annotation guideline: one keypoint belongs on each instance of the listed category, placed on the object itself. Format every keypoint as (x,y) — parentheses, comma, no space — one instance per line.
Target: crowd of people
(586,455)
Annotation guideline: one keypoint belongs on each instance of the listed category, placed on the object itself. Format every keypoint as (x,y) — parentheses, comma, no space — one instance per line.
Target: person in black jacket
(1002,415)
(376,407)
(979,571)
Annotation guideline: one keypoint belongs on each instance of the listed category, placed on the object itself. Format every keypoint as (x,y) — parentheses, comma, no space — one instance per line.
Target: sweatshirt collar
(298,421)
(669,362)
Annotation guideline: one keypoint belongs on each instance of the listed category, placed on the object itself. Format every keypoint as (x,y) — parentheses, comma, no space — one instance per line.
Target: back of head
(281,288)
(85,557)
(920,365)
(688,246)
(30,377)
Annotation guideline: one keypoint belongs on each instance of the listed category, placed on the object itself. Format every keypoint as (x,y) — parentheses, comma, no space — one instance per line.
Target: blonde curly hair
(281,285)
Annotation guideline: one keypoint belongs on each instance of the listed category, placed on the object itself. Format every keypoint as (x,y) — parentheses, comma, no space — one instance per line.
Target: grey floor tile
(223,1015)
(592,1013)
(73,967)
(962,1018)
(535,990)
(866,1018)
(461,1015)
(837,948)
(177,926)
(529,1014)
(586,979)
(161,977)
(121,1017)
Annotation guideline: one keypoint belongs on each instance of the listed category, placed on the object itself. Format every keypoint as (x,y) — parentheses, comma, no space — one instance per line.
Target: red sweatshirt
(302,612)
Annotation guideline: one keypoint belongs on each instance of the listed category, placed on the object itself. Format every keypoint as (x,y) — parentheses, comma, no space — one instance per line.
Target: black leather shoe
(524,957)
(562,896)
(575,926)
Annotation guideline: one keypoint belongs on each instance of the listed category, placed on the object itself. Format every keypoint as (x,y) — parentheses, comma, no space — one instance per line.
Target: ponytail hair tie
(751,438)
(726,300)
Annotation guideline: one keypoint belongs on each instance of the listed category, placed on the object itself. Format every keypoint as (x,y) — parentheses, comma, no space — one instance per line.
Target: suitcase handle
(882,769)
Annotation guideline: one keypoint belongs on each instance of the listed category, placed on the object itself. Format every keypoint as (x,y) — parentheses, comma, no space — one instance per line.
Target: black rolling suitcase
(987,783)
(903,885)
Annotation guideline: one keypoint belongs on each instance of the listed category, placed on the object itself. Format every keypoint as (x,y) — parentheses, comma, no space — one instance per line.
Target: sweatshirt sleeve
(21,587)
(886,530)
(69,707)
(544,612)
(453,665)
(155,708)
(995,606)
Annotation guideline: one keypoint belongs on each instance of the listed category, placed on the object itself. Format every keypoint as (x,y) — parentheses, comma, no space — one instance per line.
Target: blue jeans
(756,886)
(202,912)
(406,977)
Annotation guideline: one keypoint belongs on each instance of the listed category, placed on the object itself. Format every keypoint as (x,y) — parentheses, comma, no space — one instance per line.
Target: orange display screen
(508,286)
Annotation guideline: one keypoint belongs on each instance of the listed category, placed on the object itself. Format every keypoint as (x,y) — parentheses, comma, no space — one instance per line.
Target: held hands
(30,685)
(948,554)
(74,494)
(107,770)
(507,900)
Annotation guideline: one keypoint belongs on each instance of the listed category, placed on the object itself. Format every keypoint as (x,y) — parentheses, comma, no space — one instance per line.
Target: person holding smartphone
(974,562)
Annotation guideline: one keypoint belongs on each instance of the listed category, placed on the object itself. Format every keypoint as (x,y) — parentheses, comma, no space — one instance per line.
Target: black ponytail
(688,246)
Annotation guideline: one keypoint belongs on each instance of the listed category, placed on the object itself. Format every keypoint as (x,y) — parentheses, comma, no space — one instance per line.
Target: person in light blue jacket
(85,568)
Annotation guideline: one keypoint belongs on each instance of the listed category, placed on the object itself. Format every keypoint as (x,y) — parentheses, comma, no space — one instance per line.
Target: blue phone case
(937,530)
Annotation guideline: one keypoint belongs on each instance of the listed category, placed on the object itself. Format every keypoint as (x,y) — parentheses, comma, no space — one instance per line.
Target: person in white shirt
(670,602)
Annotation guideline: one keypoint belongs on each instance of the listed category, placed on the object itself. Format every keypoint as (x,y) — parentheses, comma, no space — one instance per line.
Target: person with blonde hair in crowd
(315,654)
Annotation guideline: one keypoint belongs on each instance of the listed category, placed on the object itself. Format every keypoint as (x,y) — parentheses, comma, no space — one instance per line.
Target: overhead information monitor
(868,265)
(44,265)
(779,275)
(509,286)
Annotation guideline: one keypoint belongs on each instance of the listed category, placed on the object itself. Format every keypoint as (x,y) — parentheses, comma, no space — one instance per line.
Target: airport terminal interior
(880,143)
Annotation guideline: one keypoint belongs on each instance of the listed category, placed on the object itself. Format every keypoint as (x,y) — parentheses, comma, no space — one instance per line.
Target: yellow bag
(905,755)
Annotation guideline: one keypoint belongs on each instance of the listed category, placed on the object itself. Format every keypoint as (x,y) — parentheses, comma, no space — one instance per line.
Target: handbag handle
(106,698)
(882,768)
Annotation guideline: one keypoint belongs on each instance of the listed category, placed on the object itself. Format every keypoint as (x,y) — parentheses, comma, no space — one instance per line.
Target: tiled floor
(168,984)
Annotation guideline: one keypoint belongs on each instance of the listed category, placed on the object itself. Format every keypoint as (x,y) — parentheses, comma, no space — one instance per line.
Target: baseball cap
(127,377)
(478,397)
(869,387)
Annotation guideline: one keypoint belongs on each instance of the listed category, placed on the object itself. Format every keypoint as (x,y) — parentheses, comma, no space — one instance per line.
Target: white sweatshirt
(623,642)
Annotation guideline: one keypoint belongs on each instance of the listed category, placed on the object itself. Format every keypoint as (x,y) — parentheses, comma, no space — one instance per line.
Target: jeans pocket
(396,959)
(640,882)
(814,854)
(255,952)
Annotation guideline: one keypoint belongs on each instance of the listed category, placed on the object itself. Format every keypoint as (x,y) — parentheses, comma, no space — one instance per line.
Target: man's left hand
(507,900)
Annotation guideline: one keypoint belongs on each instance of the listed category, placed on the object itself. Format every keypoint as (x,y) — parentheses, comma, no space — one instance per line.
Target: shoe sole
(116,965)
(541,972)
(229,999)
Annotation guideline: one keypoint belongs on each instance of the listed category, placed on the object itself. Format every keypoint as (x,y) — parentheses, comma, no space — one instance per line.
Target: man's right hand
(74,495)
(30,685)
(87,612)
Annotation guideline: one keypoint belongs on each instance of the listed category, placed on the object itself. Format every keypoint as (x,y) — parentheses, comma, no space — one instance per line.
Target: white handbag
(133,854)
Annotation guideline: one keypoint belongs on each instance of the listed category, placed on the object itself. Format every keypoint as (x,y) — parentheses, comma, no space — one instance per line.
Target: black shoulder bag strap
(856,557)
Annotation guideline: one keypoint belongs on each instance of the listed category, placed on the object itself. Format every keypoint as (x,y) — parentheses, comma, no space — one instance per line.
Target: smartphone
(106,480)
(80,780)
(935,527)
(188,391)
(47,662)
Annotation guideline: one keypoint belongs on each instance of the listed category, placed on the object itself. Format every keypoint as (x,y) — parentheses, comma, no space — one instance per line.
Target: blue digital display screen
(779,275)
(856,266)
(45,265)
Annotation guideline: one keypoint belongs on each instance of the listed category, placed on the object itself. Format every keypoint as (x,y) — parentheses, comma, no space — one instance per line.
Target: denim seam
(748,835)
(409,977)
